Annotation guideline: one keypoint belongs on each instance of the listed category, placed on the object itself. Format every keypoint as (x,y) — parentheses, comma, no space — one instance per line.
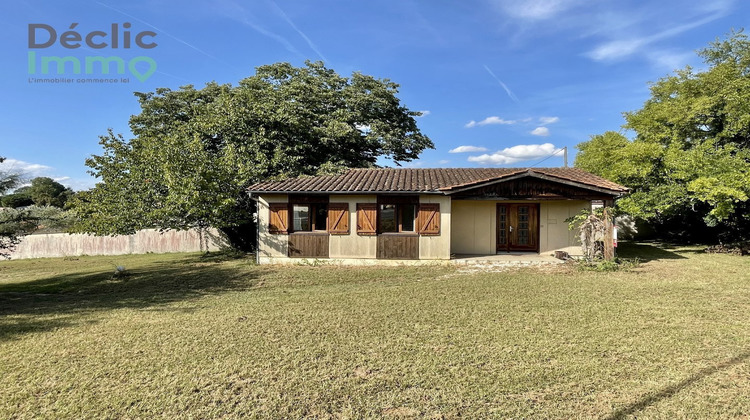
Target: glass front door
(517,227)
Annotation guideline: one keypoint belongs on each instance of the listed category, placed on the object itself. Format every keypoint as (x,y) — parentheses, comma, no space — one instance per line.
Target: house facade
(423,215)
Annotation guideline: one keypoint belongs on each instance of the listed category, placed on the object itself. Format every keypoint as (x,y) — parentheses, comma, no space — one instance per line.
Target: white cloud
(424,113)
(29,171)
(548,120)
(488,121)
(468,149)
(79,184)
(540,131)
(24,168)
(515,154)
(444,161)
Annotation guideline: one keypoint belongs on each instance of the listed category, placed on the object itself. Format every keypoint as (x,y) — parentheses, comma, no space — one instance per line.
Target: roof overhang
(260,192)
(531,174)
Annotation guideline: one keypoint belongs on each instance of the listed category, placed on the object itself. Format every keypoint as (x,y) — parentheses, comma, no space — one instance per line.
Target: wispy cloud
(511,95)
(616,49)
(236,11)
(302,34)
(161,31)
(540,131)
(616,30)
(468,149)
(276,37)
(669,60)
(414,164)
(625,45)
(548,120)
(519,153)
(535,9)
(489,121)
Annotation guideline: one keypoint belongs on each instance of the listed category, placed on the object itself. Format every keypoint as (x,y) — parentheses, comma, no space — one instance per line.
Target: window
(320,217)
(396,218)
(309,217)
(301,215)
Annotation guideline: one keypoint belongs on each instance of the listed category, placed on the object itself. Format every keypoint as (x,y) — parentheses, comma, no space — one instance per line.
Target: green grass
(188,337)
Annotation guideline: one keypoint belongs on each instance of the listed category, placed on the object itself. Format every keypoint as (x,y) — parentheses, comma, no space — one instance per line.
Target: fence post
(609,236)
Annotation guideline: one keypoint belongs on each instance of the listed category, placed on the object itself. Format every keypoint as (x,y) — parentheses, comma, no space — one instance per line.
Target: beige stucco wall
(270,245)
(474,225)
(352,245)
(437,247)
(554,234)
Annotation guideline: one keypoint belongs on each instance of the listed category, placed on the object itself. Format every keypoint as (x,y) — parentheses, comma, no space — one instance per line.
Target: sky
(499,82)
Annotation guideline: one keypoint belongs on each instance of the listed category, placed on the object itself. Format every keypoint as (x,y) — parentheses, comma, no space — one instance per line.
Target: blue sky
(502,82)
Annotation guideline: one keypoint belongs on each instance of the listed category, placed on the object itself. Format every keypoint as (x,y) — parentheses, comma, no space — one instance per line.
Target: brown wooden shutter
(366,218)
(338,218)
(428,219)
(278,221)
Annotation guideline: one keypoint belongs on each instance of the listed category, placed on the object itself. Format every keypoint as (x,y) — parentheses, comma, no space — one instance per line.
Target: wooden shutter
(338,218)
(428,219)
(366,218)
(278,220)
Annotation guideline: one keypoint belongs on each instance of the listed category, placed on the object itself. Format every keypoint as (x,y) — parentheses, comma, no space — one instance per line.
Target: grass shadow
(68,299)
(646,252)
(671,390)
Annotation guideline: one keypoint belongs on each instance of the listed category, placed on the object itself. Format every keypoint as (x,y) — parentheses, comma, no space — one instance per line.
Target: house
(371,215)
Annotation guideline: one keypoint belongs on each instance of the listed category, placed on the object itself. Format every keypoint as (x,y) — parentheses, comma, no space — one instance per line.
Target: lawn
(192,337)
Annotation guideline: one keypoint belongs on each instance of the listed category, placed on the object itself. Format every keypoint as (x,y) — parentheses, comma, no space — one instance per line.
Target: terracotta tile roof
(423,180)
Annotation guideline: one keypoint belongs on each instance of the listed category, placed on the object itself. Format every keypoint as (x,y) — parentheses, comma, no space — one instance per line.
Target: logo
(90,68)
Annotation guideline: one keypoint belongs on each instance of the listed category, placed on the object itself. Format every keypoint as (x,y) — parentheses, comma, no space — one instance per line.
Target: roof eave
(530,173)
(341,192)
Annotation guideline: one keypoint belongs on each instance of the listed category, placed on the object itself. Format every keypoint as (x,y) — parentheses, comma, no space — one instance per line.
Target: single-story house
(365,215)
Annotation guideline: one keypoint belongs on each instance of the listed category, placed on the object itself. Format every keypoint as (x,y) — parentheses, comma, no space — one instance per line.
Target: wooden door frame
(534,234)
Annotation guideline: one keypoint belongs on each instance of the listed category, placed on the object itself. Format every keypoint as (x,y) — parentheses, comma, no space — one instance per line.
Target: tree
(195,151)
(13,224)
(48,192)
(21,197)
(690,157)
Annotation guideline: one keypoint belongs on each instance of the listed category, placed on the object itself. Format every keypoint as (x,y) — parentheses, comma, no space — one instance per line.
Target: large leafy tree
(13,224)
(195,151)
(45,191)
(21,197)
(689,162)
